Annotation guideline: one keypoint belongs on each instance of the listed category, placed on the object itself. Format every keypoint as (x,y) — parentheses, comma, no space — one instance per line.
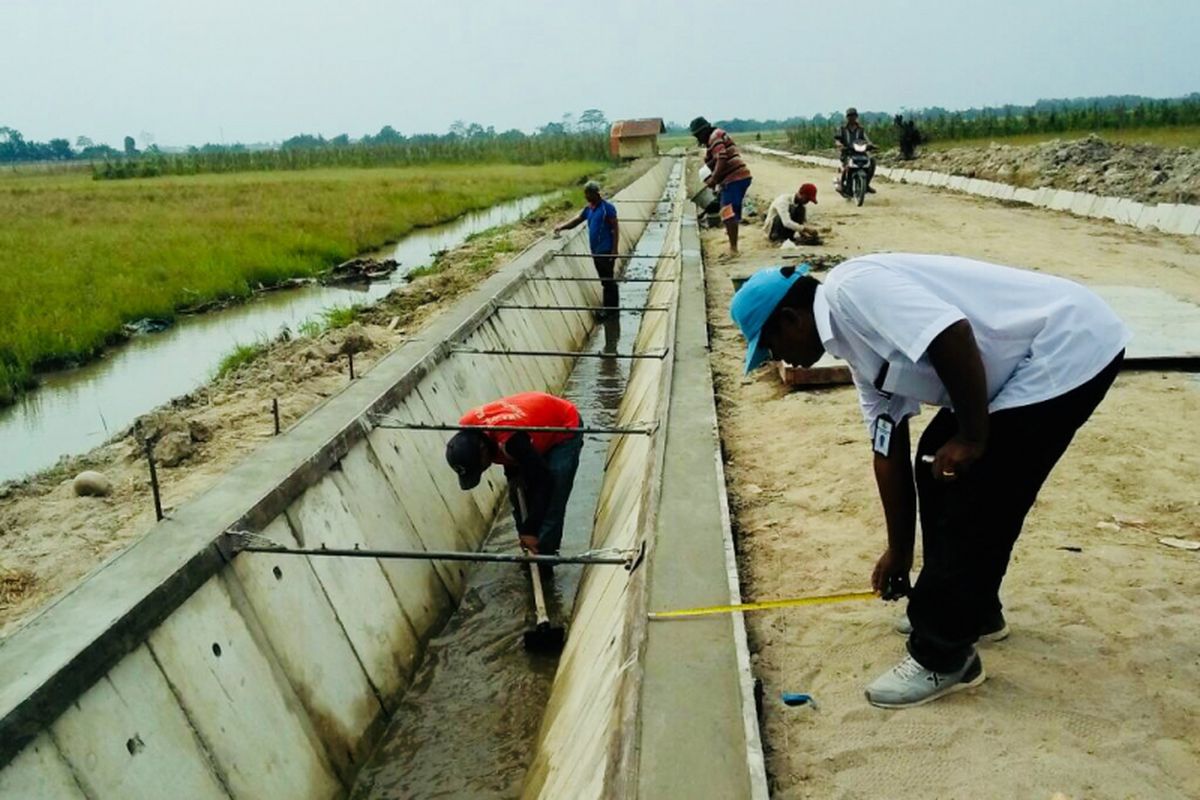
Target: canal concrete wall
(1177,218)
(642,709)
(182,666)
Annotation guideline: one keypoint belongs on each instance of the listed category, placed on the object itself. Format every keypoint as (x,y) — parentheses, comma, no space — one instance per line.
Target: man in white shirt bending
(1016,361)
(788,213)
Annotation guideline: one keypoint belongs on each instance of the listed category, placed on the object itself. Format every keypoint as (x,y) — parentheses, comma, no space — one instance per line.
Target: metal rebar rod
(435,555)
(154,490)
(621,309)
(611,255)
(572,353)
(598,279)
(642,430)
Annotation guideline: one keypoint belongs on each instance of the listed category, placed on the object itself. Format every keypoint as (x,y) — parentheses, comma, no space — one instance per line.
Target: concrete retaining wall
(177,667)
(1176,218)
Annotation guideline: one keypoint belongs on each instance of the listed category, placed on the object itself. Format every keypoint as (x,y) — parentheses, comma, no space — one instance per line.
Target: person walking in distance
(604,236)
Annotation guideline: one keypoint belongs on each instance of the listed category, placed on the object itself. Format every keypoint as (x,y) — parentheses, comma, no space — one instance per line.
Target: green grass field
(769,138)
(1168,136)
(78,257)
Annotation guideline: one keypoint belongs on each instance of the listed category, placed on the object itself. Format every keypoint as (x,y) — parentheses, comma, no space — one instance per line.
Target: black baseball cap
(464,454)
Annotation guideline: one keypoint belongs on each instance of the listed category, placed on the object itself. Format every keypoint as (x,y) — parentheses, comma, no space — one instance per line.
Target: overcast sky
(245,70)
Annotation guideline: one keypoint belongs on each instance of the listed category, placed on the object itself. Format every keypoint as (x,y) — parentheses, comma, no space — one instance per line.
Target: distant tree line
(522,149)
(1062,108)
(1045,116)
(14,148)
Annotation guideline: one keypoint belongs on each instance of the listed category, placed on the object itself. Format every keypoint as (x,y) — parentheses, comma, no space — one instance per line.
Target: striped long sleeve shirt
(723,159)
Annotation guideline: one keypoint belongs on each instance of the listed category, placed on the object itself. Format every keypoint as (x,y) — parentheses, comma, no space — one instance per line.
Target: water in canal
(78,409)
(468,724)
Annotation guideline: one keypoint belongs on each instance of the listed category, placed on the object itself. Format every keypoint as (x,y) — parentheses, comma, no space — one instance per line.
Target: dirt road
(1094,695)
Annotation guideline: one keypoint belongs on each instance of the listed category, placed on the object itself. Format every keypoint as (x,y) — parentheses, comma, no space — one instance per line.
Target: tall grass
(417,152)
(1136,122)
(78,258)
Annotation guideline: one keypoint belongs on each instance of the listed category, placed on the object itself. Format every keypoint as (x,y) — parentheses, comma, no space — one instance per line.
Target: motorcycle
(853,182)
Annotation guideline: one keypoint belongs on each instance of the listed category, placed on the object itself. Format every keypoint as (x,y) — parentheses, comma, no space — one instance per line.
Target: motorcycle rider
(850,133)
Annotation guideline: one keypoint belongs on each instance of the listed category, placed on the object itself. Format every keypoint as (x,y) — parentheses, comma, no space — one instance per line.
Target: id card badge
(881,437)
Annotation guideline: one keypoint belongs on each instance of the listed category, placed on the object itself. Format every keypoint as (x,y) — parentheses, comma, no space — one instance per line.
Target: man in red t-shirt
(540,465)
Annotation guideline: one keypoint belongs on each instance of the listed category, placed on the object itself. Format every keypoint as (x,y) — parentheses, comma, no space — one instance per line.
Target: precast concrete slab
(1164,326)
(293,611)
(40,771)
(385,525)
(422,502)
(382,637)
(1183,220)
(1148,218)
(1083,203)
(1023,195)
(1107,208)
(131,740)
(247,716)
(1061,200)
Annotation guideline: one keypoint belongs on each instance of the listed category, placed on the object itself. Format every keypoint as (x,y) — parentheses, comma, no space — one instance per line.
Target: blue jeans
(562,460)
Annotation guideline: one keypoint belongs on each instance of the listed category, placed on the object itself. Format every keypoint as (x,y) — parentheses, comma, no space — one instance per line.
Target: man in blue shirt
(603,236)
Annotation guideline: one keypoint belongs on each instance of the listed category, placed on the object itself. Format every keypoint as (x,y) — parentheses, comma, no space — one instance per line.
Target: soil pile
(1140,172)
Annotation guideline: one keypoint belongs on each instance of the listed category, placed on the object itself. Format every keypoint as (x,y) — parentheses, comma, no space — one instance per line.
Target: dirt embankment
(1141,172)
(50,538)
(1093,696)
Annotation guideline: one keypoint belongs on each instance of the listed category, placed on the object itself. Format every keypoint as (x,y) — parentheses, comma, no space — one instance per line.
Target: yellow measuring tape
(764,605)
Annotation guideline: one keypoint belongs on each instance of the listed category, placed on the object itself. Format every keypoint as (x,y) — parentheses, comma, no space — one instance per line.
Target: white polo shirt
(1039,336)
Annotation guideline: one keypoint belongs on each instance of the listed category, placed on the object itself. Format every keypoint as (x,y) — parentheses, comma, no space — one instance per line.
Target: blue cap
(754,303)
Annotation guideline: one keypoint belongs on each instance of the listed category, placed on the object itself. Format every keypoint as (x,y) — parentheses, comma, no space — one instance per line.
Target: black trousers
(969,525)
(606,268)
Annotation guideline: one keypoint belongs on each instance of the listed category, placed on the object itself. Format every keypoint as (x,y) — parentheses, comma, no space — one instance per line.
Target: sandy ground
(50,539)
(1095,693)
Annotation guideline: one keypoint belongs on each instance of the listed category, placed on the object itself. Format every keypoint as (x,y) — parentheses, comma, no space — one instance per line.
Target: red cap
(808,192)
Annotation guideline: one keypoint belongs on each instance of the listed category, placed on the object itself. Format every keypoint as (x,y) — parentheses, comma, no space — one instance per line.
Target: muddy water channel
(76,410)
(468,724)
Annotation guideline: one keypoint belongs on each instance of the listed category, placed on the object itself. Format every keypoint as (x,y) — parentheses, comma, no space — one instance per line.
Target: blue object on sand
(798,699)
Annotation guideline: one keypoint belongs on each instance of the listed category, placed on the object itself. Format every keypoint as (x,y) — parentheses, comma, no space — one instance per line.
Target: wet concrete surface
(78,409)
(468,724)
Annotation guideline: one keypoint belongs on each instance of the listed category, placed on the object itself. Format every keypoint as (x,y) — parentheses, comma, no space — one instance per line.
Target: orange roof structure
(625,128)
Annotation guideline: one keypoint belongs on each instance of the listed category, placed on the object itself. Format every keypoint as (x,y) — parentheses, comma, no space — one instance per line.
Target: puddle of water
(468,724)
(78,409)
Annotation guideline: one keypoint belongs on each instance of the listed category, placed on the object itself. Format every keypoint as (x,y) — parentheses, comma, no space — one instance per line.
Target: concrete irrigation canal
(187,663)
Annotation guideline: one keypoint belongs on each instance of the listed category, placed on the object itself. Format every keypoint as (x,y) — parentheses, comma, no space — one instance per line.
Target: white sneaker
(996,634)
(909,684)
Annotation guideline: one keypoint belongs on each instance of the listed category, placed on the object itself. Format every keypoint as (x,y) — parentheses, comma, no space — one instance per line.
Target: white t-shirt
(1039,336)
(781,209)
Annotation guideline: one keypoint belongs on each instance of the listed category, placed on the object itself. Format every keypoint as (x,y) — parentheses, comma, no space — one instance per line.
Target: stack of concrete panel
(179,667)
